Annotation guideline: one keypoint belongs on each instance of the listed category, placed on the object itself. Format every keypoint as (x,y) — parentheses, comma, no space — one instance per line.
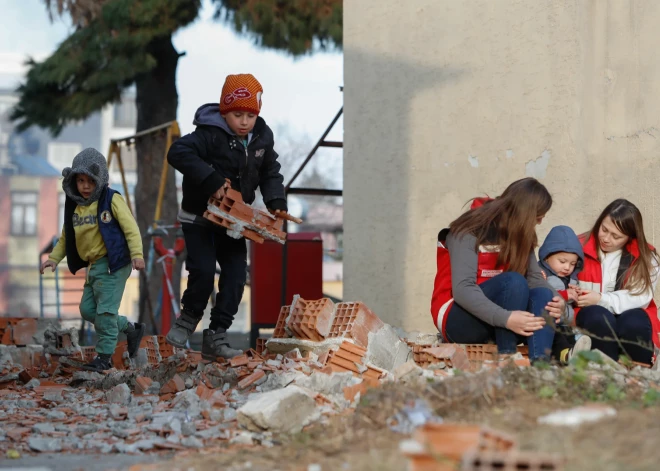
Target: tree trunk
(157,101)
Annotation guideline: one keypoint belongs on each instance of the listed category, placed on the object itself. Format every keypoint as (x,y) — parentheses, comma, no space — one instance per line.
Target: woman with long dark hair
(617,285)
(489,287)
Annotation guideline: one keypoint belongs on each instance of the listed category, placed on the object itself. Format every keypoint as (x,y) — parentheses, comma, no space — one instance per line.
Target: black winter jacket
(212,153)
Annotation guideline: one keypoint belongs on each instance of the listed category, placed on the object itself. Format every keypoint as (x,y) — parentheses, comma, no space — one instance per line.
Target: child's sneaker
(99,364)
(134,335)
(183,328)
(583,344)
(215,344)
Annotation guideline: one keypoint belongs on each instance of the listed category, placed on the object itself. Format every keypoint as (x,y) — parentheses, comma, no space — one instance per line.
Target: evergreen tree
(119,43)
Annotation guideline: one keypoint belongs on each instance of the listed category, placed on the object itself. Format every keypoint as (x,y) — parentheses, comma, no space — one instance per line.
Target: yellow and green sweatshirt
(88,236)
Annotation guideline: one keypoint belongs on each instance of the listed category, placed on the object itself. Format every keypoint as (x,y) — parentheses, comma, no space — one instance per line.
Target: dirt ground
(510,401)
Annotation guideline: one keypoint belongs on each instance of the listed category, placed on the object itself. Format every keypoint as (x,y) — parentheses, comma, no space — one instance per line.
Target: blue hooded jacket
(562,239)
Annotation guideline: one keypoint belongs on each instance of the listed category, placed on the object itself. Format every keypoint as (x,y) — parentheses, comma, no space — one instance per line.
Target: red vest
(442,298)
(591,277)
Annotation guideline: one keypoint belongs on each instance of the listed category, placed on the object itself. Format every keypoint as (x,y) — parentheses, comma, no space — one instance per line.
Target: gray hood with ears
(91,163)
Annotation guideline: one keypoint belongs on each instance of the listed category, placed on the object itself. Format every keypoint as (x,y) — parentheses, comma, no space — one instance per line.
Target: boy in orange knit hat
(231,141)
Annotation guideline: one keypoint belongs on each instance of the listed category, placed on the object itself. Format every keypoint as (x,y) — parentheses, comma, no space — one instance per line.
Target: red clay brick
(174,385)
(280,331)
(240,360)
(485,460)
(23,331)
(261,345)
(251,379)
(452,355)
(231,205)
(351,391)
(142,383)
(204,392)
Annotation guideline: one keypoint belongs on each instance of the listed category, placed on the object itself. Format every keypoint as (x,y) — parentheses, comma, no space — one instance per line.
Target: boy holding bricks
(232,142)
(101,234)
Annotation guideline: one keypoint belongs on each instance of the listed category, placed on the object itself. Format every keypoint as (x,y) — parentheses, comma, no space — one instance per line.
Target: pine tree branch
(297,27)
(93,65)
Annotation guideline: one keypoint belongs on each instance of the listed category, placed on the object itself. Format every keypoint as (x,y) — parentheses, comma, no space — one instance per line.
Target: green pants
(100,303)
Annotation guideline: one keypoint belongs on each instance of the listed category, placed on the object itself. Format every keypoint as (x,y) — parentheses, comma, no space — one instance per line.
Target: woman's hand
(556,308)
(524,323)
(588,298)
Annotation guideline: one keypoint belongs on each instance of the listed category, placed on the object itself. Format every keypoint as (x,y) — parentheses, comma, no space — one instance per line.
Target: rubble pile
(321,359)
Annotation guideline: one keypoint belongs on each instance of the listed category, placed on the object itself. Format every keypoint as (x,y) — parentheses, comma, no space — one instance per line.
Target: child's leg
(200,263)
(232,257)
(562,343)
(88,303)
(108,291)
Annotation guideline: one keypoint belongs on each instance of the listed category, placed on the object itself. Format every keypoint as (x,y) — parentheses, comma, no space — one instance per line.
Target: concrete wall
(445,100)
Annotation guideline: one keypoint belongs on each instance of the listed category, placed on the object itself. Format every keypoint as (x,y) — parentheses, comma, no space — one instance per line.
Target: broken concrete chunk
(328,384)
(33,383)
(45,445)
(120,394)
(408,370)
(192,442)
(286,410)
(386,350)
(43,428)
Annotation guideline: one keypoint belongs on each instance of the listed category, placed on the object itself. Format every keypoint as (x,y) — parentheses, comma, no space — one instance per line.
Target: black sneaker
(215,344)
(99,364)
(134,337)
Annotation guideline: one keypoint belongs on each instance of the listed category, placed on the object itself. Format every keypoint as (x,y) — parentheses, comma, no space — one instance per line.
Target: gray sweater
(466,291)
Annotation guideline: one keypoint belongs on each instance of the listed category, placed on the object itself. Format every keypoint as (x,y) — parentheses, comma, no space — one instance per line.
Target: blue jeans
(632,328)
(510,291)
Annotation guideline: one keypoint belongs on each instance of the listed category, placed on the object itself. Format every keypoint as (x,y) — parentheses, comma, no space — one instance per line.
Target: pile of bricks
(17,330)
(242,220)
(322,319)
(350,357)
(450,446)
(466,357)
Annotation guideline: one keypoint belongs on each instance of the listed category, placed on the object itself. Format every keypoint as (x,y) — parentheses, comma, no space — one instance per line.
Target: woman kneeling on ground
(617,285)
(489,286)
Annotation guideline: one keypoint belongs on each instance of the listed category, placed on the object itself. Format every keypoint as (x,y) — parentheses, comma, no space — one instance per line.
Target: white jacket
(622,300)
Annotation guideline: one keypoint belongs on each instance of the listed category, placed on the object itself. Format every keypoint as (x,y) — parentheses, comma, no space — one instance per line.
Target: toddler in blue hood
(561,258)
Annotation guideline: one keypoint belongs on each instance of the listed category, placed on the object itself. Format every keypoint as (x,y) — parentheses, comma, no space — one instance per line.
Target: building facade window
(125,114)
(60,154)
(24,213)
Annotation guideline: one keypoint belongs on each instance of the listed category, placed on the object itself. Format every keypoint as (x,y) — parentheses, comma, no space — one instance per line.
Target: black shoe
(215,344)
(99,364)
(134,337)
(183,328)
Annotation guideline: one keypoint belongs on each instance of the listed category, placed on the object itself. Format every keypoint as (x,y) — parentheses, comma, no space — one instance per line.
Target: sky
(301,96)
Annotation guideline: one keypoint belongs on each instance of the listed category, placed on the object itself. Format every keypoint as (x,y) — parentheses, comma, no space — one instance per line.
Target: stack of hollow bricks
(427,354)
(235,215)
(322,319)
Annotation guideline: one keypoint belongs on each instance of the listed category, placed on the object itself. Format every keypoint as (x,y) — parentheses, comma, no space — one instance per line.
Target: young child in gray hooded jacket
(561,258)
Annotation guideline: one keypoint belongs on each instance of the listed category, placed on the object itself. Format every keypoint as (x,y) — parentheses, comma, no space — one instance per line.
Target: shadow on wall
(375,200)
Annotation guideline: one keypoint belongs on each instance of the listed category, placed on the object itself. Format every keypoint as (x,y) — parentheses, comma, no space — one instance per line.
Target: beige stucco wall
(448,99)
